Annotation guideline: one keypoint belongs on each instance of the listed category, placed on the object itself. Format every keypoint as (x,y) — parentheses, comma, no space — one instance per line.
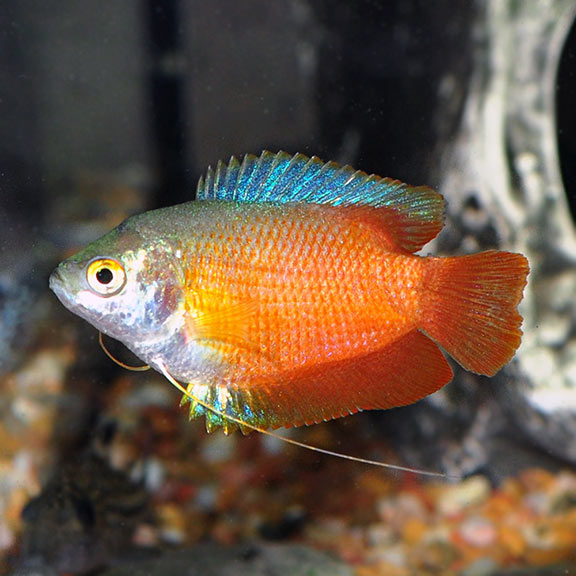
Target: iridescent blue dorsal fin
(414,213)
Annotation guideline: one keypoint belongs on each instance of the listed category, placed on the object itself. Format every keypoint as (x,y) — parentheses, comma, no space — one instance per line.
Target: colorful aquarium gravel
(234,490)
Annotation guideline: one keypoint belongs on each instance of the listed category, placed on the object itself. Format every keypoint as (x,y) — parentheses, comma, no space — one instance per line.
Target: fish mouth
(58,284)
(56,281)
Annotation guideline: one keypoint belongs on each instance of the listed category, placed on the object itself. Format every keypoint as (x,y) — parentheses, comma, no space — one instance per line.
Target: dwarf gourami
(289,293)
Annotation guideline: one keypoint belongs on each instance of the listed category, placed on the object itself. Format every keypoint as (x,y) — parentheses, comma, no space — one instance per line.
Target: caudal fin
(470,307)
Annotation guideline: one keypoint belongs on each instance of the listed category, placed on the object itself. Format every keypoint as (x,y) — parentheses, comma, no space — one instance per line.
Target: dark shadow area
(566,117)
(167,118)
(388,101)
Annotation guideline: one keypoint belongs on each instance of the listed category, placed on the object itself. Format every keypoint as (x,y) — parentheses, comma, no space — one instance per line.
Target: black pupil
(104,276)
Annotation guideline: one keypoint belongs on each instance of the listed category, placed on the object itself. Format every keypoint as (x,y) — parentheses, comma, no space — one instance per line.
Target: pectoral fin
(211,316)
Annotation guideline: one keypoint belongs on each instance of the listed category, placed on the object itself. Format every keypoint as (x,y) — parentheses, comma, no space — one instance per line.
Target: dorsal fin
(282,178)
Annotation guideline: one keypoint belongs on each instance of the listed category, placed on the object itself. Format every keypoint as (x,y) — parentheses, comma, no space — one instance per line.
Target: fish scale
(333,322)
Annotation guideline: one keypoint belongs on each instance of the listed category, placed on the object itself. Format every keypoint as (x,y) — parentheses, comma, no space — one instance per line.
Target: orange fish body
(282,307)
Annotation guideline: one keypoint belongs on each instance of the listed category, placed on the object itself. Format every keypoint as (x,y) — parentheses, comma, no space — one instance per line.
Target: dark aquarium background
(112,108)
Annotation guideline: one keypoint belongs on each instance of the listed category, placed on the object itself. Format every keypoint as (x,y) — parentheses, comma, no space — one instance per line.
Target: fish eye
(106,277)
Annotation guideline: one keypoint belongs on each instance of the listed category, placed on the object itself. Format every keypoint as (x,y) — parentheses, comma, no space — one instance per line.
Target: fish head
(123,284)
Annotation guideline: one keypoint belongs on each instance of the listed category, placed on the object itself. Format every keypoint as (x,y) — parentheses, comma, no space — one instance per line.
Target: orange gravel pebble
(414,531)
(512,541)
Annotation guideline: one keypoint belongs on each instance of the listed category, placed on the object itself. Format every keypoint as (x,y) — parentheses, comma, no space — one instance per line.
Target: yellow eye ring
(106,277)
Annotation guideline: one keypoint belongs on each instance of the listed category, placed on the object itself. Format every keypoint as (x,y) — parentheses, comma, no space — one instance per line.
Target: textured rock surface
(84,517)
(249,561)
(506,148)
(501,177)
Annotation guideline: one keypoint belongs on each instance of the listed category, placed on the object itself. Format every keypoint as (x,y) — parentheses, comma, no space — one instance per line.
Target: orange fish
(289,293)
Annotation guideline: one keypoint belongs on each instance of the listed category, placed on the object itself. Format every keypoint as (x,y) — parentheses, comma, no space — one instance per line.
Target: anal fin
(402,373)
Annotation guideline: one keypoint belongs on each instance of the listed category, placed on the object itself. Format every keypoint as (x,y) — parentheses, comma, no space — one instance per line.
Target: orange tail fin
(470,307)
